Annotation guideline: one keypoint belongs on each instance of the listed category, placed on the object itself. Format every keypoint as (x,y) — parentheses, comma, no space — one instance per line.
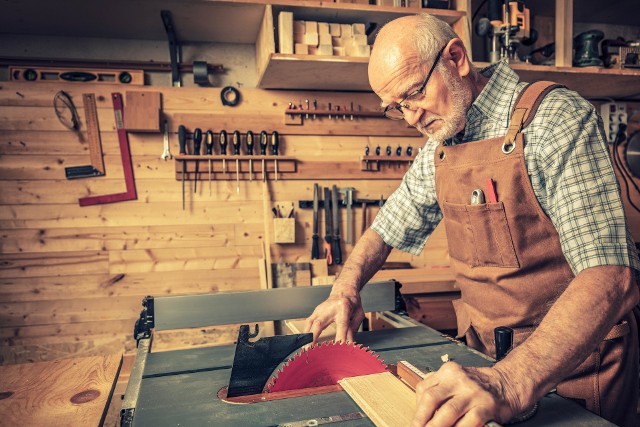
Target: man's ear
(456,53)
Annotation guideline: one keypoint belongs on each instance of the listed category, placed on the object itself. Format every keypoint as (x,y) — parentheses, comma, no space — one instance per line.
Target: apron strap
(525,108)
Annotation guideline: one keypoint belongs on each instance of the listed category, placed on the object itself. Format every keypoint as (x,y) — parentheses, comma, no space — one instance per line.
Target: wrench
(166,154)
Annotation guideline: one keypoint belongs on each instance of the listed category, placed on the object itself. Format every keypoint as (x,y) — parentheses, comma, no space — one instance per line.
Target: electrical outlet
(613,115)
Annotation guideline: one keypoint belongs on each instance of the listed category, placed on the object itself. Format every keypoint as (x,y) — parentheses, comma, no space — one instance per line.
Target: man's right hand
(345,310)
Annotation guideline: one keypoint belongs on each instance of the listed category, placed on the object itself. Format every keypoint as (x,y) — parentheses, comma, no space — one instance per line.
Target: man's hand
(345,310)
(460,396)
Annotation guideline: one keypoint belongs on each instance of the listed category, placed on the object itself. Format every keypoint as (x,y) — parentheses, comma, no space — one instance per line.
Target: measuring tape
(130,194)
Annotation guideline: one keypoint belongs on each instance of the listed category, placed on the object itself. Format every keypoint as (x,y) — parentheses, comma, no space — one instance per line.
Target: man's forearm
(365,260)
(573,327)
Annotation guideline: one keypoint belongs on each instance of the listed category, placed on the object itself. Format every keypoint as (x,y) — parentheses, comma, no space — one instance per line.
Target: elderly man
(547,253)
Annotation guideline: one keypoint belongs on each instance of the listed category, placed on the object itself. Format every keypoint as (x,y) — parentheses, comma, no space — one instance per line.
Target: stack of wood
(321,38)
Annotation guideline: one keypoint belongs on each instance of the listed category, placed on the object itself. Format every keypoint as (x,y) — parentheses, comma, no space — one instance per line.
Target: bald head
(414,39)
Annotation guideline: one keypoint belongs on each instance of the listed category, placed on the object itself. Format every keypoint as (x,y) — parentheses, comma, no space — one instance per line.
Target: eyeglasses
(395,111)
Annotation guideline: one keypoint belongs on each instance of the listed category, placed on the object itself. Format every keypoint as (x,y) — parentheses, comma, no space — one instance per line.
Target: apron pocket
(479,236)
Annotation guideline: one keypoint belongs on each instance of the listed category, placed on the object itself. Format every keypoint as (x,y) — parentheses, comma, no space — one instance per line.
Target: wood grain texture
(386,400)
(64,392)
(72,278)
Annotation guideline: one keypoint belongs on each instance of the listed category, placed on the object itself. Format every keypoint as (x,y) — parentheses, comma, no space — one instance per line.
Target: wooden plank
(26,192)
(144,260)
(434,310)
(64,392)
(322,125)
(132,284)
(386,400)
(123,238)
(420,280)
(54,264)
(564,33)
(66,216)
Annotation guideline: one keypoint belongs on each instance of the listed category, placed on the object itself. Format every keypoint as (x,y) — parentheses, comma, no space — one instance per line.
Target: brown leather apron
(510,267)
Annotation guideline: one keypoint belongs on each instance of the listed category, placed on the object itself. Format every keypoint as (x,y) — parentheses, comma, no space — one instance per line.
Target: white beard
(462,98)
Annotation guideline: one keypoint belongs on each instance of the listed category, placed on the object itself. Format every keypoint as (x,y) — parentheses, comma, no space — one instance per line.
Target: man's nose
(413,116)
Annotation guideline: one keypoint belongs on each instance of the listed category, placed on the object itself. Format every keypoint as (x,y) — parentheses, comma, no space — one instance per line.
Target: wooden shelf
(228,21)
(590,82)
(284,71)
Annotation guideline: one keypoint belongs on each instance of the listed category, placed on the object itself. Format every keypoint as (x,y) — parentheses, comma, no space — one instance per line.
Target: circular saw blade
(325,364)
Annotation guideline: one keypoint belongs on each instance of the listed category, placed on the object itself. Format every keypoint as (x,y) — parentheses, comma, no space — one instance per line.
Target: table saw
(187,387)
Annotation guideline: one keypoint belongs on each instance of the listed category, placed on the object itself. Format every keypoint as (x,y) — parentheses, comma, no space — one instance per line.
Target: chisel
(197,143)
(208,140)
(263,152)
(236,152)
(182,140)
(327,226)
(315,251)
(223,149)
(336,254)
(250,142)
(275,142)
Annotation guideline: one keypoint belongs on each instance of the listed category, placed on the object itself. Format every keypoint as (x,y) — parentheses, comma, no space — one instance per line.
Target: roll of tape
(230,96)
(200,73)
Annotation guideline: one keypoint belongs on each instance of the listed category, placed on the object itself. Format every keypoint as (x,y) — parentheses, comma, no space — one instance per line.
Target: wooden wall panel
(72,278)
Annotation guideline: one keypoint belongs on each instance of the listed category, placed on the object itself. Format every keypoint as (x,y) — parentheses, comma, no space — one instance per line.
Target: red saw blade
(325,364)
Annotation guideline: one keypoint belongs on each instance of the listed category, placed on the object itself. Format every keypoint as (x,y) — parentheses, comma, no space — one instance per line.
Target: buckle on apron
(515,126)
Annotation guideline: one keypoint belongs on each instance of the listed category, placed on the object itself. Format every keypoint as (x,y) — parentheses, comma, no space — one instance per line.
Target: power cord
(617,161)
(61,102)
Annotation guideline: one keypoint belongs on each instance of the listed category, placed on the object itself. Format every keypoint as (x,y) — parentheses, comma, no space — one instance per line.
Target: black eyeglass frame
(420,91)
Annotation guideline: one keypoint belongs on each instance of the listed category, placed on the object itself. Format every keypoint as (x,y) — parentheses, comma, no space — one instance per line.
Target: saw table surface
(179,388)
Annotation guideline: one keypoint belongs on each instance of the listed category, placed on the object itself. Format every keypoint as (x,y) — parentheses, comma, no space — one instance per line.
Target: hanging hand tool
(388,155)
(315,107)
(306,116)
(336,254)
(208,141)
(223,149)
(409,153)
(366,153)
(351,110)
(327,226)
(250,143)
(329,111)
(197,143)
(275,142)
(182,140)
(236,152)
(125,155)
(166,154)
(315,250)
(263,152)
(96,168)
(398,153)
(348,198)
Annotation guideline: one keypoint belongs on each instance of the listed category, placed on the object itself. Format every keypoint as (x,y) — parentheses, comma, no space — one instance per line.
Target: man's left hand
(462,396)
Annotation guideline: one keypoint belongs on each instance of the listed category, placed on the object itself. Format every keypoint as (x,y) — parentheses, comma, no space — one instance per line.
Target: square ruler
(130,194)
(96,168)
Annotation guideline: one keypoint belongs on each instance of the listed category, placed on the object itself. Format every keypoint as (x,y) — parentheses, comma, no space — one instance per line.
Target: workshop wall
(72,278)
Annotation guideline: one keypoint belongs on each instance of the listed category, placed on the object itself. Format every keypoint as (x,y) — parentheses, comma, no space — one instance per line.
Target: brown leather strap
(526,106)
(619,330)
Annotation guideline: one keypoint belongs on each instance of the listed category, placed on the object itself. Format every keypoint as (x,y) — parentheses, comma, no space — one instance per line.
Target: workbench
(180,387)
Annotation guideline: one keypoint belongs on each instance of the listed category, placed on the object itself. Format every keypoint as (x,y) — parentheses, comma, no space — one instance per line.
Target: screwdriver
(275,141)
(398,153)
(182,140)
(208,141)
(263,152)
(409,153)
(223,149)
(250,153)
(388,154)
(197,143)
(236,151)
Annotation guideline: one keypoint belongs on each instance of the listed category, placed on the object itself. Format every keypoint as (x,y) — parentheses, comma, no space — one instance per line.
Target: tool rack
(372,163)
(286,165)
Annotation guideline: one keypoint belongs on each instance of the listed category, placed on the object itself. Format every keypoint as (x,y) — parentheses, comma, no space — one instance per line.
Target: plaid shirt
(568,163)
